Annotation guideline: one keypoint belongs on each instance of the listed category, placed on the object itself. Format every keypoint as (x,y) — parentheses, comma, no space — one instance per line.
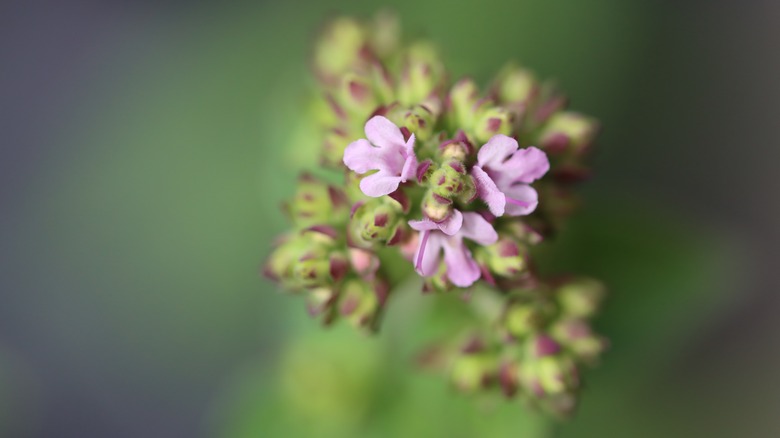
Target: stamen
(423,244)
(517,202)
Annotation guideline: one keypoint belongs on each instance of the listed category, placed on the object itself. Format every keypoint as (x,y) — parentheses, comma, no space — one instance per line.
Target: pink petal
(462,270)
(452,224)
(379,184)
(409,171)
(496,150)
(361,157)
(488,191)
(526,165)
(431,257)
(409,146)
(476,228)
(521,200)
(383,133)
(424,225)
(449,226)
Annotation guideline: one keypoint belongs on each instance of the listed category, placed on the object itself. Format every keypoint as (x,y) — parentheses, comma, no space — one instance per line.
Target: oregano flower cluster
(454,183)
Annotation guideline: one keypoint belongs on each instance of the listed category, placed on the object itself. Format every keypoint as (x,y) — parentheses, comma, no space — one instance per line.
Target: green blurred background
(146,147)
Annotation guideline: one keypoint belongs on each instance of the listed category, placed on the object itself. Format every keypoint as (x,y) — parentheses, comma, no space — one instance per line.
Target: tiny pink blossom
(502,175)
(448,236)
(385,151)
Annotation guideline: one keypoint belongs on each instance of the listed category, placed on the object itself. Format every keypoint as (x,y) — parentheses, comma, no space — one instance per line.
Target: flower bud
(516,84)
(549,375)
(509,378)
(541,345)
(492,121)
(338,48)
(320,303)
(421,74)
(458,148)
(316,203)
(278,266)
(333,145)
(568,131)
(376,220)
(420,122)
(580,298)
(319,266)
(450,181)
(462,99)
(435,207)
(385,33)
(383,84)
(357,96)
(360,302)
(505,258)
(471,372)
(578,338)
(557,374)
(521,319)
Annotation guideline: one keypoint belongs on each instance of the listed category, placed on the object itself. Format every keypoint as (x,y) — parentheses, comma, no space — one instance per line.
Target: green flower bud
(421,74)
(385,33)
(515,84)
(420,122)
(376,220)
(333,145)
(580,298)
(505,258)
(320,265)
(279,265)
(383,84)
(520,319)
(308,260)
(436,207)
(338,48)
(568,131)
(361,302)
(454,150)
(471,372)
(492,121)
(463,99)
(578,338)
(321,304)
(548,371)
(357,96)
(312,272)
(316,202)
(451,181)
(557,374)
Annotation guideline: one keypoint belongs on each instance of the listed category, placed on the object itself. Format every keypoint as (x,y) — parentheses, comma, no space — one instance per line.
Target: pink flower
(384,151)
(448,236)
(502,175)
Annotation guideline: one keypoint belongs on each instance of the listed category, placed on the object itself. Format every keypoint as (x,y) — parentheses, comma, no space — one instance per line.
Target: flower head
(448,236)
(385,151)
(502,175)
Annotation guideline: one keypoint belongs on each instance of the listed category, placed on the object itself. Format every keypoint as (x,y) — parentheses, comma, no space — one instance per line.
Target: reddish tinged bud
(338,268)
(508,379)
(543,346)
(323,229)
(422,171)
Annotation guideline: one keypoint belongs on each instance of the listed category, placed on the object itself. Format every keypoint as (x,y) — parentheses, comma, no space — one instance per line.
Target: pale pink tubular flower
(502,175)
(448,236)
(386,151)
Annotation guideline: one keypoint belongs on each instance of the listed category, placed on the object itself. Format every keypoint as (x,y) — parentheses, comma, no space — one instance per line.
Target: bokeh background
(146,146)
